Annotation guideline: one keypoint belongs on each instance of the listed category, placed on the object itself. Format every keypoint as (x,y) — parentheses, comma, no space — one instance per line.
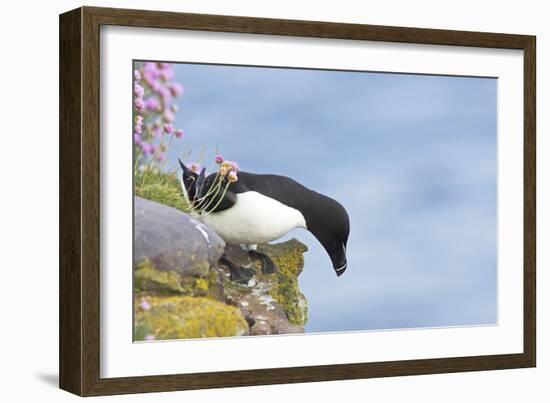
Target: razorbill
(260,208)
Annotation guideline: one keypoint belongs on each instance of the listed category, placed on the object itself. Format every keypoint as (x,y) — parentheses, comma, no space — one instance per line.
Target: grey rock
(260,328)
(172,240)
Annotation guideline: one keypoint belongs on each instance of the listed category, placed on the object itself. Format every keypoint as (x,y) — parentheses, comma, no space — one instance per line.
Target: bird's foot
(268,266)
(238,274)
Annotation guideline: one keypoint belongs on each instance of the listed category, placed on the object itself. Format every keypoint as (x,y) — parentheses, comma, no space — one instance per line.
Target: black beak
(340,270)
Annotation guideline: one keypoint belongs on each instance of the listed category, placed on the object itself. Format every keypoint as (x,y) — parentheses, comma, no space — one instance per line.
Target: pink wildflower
(168,128)
(144,304)
(157,130)
(218,159)
(179,133)
(152,104)
(168,115)
(138,90)
(232,176)
(147,148)
(176,89)
(151,68)
(167,73)
(194,167)
(139,104)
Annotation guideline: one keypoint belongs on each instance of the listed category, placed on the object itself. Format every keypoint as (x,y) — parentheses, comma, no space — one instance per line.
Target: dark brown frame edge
(79,200)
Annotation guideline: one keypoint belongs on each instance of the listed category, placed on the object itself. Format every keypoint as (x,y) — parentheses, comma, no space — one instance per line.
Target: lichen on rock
(148,279)
(183,317)
(289,258)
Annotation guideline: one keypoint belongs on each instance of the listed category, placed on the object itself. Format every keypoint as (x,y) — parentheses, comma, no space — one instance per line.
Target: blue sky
(411,157)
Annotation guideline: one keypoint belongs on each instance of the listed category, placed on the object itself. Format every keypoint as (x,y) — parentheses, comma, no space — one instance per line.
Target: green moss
(161,187)
(289,258)
(148,279)
(287,293)
(182,317)
(195,286)
(201,284)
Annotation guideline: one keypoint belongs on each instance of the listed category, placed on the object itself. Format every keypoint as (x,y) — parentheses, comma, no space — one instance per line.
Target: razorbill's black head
(328,221)
(192,183)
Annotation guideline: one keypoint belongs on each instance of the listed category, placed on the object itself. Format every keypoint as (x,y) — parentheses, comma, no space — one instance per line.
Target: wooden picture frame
(79,346)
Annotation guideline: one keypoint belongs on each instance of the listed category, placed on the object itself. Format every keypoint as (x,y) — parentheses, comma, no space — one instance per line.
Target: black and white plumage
(261,208)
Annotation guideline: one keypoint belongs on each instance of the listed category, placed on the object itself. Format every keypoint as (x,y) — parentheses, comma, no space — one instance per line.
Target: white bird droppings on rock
(203,232)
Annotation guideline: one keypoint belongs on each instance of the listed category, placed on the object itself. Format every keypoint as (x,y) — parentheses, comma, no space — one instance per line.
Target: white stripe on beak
(342,268)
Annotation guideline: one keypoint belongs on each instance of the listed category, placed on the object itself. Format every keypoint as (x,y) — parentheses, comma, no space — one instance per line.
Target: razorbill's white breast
(253,219)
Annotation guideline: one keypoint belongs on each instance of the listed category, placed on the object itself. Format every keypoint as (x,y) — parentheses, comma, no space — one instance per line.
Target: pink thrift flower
(194,167)
(138,90)
(235,165)
(137,128)
(168,128)
(137,75)
(137,138)
(139,104)
(147,148)
(152,104)
(157,87)
(167,73)
(157,130)
(149,79)
(165,94)
(232,176)
(179,133)
(160,157)
(168,115)
(144,304)
(176,89)
(151,68)
(218,159)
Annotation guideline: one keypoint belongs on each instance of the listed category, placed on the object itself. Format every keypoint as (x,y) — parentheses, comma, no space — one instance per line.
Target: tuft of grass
(161,187)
